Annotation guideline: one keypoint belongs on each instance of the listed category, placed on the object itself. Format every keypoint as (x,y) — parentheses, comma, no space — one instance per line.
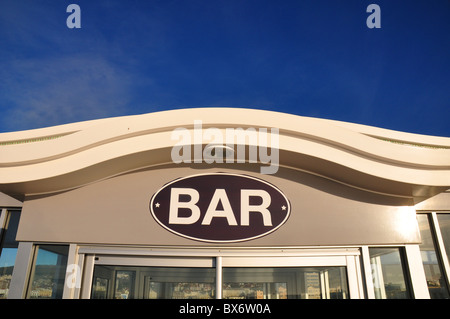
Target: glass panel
(153,283)
(124,284)
(101,285)
(48,274)
(388,274)
(285,283)
(8,252)
(180,283)
(178,290)
(100,288)
(431,262)
(444,226)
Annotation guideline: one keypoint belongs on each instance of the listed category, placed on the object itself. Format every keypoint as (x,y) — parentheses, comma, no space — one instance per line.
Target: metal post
(19,280)
(219,277)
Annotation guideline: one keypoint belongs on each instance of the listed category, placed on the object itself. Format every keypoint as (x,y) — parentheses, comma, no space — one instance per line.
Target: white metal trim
(284,262)
(367,272)
(88,273)
(72,272)
(154,262)
(359,277)
(352,277)
(3,221)
(441,247)
(3,218)
(219,277)
(77,291)
(214,251)
(417,272)
(21,272)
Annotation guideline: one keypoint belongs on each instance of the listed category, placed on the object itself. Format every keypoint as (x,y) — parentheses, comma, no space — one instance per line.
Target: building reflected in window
(388,273)
(8,249)
(48,273)
(432,263)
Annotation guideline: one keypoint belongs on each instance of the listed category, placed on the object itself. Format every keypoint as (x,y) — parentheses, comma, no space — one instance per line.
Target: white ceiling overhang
(377,160)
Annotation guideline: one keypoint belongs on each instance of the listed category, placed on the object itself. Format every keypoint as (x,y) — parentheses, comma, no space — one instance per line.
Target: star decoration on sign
(283,207)
(157,205)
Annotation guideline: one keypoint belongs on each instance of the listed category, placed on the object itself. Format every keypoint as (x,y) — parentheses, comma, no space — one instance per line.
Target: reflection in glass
(100,288)
(178,290)
(124,284)
(8,252)
(48,273)
(285,283)
(153,283)
(388,274)
(444,226)
(431,262)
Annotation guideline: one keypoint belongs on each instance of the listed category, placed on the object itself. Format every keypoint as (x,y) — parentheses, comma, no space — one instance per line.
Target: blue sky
(311,58)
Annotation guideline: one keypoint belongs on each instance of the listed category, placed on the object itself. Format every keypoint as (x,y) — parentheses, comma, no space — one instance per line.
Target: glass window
(431,261)
(388,273)
(285,283)
(444,226)
(8,251)
(48,273)
(122,282)
(100,288)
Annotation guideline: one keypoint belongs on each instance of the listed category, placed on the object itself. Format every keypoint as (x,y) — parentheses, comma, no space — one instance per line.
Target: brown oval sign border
(220,207)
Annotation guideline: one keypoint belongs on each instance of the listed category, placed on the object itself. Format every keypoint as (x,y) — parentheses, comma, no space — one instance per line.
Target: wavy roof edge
(69,128)
(413,161)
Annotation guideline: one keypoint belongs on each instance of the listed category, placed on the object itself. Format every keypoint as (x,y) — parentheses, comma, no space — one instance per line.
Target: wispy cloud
(44,92)
(52,75)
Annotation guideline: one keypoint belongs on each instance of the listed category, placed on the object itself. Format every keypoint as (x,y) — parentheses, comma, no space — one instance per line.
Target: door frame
(219,258)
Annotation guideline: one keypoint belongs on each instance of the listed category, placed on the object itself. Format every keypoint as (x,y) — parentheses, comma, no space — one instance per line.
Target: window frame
(231,257)
(404,259)
(5,224)
(32,269)
(435,229)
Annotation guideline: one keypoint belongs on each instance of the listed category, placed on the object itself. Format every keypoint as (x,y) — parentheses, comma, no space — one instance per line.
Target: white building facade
(218,203)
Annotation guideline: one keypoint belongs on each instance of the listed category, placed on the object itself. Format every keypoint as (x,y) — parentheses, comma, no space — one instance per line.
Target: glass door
(178,283)
(142,277)
(227,277)
(295,277)
(141,282)
(285,283)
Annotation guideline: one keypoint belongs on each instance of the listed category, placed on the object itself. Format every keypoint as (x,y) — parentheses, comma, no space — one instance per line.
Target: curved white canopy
(378,160)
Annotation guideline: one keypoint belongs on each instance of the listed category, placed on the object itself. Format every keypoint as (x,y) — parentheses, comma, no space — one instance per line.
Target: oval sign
(220,207)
